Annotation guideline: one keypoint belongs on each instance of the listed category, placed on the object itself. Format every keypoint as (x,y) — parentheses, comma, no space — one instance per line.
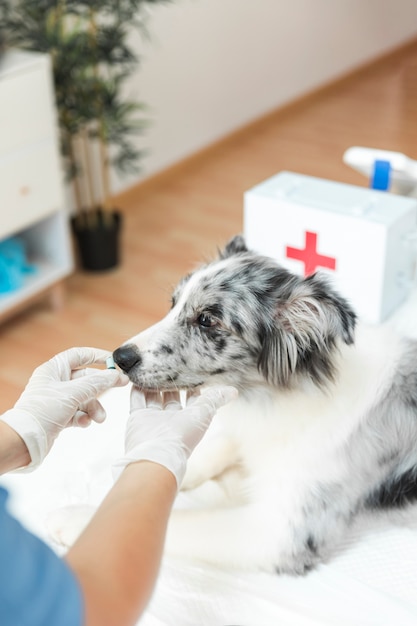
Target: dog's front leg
(213,455)
(231,537)
(244,537)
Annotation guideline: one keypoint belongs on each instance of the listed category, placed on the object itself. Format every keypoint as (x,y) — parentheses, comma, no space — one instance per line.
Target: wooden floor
(171,225)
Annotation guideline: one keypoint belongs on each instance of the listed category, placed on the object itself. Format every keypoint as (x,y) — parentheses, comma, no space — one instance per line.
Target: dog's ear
(236,245)
(310,318)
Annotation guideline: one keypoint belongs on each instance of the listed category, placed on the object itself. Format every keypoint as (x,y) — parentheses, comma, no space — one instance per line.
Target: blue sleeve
(37,588)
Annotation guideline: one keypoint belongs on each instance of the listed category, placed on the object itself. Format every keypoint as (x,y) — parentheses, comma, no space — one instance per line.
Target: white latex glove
(61,393)
(160,429)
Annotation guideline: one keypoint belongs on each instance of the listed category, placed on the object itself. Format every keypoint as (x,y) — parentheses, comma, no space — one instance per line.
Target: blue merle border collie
(325,425)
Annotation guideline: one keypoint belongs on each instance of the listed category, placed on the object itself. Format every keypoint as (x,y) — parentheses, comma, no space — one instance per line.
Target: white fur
(284,442)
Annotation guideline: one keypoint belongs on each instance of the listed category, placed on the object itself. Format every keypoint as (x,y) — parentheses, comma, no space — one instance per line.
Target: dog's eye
(206,320)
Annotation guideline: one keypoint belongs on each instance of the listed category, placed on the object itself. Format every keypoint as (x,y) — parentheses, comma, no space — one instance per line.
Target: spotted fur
(325,426)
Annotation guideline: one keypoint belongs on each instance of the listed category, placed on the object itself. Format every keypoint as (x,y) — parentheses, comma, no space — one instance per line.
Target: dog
(324,427)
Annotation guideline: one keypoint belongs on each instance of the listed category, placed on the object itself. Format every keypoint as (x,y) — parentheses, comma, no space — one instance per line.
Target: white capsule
(110,363)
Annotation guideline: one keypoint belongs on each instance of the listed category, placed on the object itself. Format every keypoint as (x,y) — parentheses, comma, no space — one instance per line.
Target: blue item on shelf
(13,265)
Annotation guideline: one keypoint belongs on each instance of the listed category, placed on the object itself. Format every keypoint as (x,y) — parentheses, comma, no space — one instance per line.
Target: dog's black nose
(127,357)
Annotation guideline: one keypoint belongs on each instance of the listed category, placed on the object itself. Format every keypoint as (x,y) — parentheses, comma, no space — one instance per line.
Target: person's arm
(117,557)
(61,392)
(13,450)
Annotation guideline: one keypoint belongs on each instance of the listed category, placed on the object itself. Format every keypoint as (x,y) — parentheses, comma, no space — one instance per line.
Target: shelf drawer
(26,107)
(30,187)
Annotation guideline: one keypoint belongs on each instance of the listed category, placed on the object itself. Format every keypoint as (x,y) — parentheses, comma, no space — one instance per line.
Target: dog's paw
(64,525)
(193,478)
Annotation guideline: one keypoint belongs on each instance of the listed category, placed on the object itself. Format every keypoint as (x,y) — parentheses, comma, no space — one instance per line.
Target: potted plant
(91,59)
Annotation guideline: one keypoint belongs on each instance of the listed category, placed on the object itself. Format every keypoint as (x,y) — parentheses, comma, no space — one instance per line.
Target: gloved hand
(61,393)
(159,429)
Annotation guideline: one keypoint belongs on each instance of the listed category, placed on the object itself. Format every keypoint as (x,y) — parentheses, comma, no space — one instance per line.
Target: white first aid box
(363,239)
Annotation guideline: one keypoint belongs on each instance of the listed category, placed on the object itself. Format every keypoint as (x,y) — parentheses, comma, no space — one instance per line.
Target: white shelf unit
(31,188)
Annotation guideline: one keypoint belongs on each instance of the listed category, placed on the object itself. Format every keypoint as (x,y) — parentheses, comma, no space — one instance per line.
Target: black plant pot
(98,239)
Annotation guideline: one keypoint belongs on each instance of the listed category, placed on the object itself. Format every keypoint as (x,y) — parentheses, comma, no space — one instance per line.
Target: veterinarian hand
(159,429)
(61,393)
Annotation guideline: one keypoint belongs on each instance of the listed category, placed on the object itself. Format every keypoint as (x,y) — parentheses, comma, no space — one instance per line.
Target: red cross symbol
(310,257)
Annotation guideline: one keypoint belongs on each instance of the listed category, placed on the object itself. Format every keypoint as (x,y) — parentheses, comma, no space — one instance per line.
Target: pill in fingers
(110,364)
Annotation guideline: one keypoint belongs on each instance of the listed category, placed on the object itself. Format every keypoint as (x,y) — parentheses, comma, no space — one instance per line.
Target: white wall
(212,66)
